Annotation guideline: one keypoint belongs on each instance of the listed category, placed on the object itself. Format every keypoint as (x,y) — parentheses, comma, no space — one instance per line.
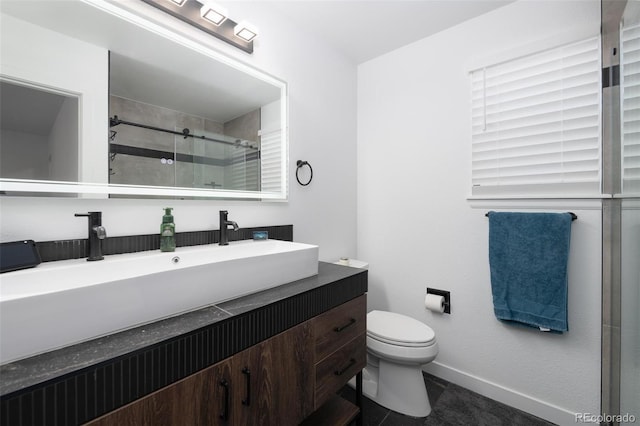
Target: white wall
(23,155)
(322,113)
(63,143)
(416,227)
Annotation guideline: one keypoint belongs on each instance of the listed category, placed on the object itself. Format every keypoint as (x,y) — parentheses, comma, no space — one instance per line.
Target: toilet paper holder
(445,294)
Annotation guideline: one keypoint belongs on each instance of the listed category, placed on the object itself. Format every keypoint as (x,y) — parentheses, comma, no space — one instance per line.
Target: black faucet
(97,233)
(224,224)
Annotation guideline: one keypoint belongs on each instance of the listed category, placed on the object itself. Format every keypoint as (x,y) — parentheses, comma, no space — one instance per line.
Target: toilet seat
(397,343)
(398,330)
(408,355)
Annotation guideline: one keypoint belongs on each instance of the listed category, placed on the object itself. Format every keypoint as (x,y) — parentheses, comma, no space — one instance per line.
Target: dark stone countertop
(40,368)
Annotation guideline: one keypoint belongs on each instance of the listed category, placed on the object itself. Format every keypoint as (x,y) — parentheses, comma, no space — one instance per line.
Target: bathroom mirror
(123,106)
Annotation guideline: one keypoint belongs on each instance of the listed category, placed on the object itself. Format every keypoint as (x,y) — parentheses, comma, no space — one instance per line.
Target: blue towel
(528,254)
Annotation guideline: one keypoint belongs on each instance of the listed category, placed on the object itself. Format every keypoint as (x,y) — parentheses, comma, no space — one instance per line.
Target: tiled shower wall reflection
(227,167)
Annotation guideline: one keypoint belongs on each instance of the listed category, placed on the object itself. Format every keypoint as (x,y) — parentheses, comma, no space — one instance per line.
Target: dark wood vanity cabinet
(280,381)
(265,384)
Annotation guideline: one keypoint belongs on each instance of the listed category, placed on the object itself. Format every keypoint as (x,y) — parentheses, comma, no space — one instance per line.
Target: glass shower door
(630,309)
(630,211)
(224,162)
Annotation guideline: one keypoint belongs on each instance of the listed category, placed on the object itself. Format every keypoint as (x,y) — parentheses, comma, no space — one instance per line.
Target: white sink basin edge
(61,303)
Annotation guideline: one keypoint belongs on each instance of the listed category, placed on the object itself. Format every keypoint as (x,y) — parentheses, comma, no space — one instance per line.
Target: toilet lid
(397,328)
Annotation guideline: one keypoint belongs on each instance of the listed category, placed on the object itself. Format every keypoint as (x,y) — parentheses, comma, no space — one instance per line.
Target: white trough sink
(61,303)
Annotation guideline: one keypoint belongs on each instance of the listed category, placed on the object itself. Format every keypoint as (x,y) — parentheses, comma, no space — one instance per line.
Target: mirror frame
(10,186)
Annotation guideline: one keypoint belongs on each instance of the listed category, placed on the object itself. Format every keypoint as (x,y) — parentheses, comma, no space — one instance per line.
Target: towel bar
(573,215)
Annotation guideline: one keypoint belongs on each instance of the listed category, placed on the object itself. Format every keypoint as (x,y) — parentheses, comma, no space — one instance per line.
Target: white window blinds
(630,83)
(270,157)
(536,123)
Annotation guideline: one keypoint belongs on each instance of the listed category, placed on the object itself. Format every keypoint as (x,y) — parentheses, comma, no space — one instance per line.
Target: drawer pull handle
(341,372)
(247,376)
(350,323)
(225,414)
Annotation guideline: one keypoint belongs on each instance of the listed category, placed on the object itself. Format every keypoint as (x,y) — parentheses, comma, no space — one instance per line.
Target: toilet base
(400,388)
(369,384)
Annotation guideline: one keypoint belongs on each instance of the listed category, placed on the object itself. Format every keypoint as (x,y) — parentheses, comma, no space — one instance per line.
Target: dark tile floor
(451,405)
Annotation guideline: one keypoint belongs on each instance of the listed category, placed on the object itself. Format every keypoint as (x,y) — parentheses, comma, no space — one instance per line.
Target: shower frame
(611,342)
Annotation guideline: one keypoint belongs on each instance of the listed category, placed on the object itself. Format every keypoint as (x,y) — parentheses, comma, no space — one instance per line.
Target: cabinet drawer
(335,370)
(338,326)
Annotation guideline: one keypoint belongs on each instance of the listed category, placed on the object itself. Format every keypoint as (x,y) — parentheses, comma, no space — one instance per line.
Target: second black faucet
(224,227)
(97,233)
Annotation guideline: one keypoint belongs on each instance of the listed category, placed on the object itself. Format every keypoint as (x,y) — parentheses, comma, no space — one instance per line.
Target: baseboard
(502,394)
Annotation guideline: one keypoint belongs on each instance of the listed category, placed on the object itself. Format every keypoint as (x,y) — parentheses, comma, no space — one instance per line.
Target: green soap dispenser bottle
(167,231)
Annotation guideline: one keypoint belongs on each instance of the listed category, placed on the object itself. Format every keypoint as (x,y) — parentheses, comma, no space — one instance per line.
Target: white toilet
(397,348)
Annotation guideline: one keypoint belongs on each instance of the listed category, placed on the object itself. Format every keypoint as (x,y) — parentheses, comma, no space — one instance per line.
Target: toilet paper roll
(434,303)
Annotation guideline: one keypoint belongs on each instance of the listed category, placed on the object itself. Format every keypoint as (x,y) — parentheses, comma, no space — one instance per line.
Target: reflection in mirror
(179,129)
(39,133)
(156,113)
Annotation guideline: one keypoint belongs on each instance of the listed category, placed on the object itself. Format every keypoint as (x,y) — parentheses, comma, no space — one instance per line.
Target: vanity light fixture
(210,18)
(245,31)
(213,13)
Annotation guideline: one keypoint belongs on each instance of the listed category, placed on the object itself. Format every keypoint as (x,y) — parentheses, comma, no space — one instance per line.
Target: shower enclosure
(155,146)
(621,213)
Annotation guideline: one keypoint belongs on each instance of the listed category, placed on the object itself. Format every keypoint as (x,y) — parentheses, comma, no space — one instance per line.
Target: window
(536,124)
(630,75)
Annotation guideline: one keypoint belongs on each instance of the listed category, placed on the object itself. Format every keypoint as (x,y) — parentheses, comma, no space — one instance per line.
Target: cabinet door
(281,377)
(200,399)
